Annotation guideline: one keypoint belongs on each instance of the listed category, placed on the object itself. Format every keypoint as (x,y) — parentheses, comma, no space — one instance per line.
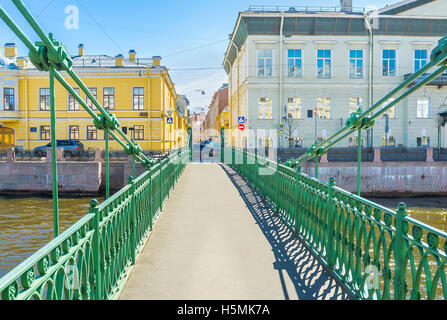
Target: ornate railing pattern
(375,252)
(94,257)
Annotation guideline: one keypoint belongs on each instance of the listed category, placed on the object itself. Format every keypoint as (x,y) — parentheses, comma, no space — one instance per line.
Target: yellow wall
(159,96)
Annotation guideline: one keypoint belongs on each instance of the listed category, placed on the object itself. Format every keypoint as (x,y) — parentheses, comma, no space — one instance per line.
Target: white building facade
(286,65)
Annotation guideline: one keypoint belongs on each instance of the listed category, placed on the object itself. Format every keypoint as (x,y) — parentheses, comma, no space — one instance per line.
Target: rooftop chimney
(346,5)
(119,60)
(132,56)
(156,61)
(81,49)
(10,50)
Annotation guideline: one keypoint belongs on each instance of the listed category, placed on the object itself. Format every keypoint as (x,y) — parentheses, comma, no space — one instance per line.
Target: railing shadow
(310,278)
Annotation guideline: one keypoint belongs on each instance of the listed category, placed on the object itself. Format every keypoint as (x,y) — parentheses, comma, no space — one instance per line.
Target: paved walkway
(217,240)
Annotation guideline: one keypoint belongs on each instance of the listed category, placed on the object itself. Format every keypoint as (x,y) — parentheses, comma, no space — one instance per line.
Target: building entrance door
(7,139)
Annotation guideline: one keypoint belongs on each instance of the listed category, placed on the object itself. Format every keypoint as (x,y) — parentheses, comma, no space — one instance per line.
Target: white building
(284,62)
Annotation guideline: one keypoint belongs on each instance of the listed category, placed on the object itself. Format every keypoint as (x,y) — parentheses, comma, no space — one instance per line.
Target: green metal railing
(51,56)
(375,252)
(93,258)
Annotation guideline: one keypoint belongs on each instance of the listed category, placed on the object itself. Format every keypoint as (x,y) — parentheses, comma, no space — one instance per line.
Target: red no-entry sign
(241,126)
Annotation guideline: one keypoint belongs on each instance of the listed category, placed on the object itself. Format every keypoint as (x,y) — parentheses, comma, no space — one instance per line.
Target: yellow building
(139,92)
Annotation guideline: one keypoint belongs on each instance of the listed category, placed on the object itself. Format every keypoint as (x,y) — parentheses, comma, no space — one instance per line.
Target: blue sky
(187,34)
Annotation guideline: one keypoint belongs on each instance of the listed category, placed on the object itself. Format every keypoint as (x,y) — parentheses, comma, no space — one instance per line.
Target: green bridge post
(54,156)
(359,161)
(330,224)
(222,144)
(400,287)
(106,134)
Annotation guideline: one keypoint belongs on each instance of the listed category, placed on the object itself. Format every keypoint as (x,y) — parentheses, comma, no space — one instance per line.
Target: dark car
(71,148)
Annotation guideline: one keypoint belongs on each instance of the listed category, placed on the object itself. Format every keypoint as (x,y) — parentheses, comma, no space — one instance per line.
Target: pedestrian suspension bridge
(245,228)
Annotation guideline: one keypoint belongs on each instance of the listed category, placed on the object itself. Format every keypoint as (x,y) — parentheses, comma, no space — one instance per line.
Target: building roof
(403,6)
(331,23)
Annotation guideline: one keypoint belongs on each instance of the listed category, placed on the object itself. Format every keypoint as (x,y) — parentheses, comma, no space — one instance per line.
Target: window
(323,136)
(423,141)
(390,112)
(389,65)
(265,108)
(138,98)
(423,108)
(354,105)
(265,62)
(420,59)
(138,133)
(356,64)
(324,108)
(109,98)
(391,142)
(354,140)
(295,141)
(92,133)
(324,64)
(73,104)
(8,97)
(44,99)
(73,132)
(294,63)
(45,133)
(294,108)
(90,103)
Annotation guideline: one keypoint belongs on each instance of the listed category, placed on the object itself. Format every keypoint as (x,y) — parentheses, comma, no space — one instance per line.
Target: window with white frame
(8,99)
(294,63)
(73,104)
(324,108)
(294,108)
(423,140)
(265,108)
(390,112)
(324,63)
(265,62)
(423,108)
(355,104)
(356,64)
(420,59)
(389,63)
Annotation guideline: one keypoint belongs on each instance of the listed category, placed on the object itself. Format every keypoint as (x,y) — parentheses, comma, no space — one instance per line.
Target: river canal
(26,223)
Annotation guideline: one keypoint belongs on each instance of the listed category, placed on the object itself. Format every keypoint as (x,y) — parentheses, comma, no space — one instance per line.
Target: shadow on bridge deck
(293,260)
(216,239)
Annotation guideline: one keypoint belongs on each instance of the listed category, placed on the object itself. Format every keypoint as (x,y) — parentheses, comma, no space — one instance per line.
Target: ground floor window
(92,133)
(423,141)
(44,132)
(391,142)
(138,132)
(74,132)
(265,108)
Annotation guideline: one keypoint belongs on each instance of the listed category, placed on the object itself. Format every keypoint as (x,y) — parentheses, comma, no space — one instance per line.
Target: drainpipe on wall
(280,77)
(237,85)
(370,72)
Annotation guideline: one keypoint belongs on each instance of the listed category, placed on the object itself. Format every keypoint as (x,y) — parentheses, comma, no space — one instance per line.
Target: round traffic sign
(241,126)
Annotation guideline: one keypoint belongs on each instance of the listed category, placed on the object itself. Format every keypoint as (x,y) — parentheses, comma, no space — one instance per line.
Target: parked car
(71,148)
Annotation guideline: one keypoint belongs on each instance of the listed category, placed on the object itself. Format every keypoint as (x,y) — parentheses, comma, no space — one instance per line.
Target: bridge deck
(218,240)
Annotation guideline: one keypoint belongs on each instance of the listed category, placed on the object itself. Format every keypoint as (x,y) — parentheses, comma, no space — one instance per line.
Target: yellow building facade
(140,93)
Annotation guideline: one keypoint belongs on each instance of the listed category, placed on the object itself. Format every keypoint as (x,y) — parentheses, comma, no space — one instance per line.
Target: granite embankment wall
(75,177)
(380,178)
(88,177)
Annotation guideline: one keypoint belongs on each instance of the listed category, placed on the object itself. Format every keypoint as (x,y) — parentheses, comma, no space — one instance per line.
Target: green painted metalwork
(351,235)
(55,183)
(93,258)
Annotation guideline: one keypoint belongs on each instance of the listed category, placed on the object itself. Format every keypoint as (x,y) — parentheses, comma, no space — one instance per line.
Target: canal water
(26,223)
